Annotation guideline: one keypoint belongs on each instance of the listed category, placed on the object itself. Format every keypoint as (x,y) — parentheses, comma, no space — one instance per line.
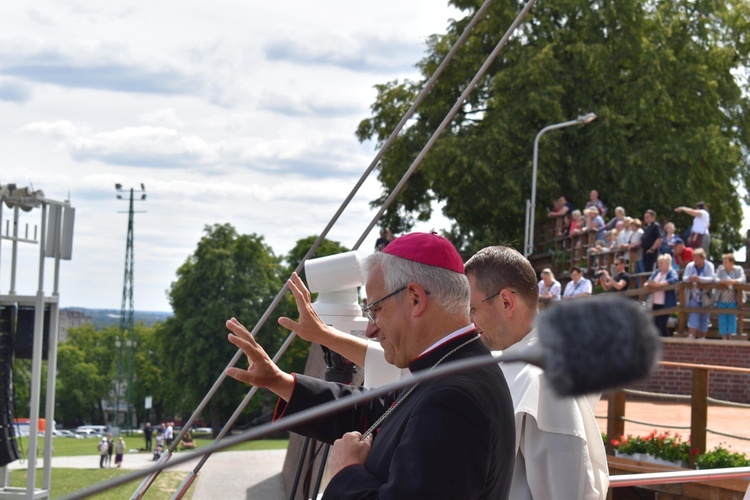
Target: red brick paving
(725,419)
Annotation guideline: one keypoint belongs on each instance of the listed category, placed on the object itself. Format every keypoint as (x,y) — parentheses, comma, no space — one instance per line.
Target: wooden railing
(578,249)
(683,289)
(699,404)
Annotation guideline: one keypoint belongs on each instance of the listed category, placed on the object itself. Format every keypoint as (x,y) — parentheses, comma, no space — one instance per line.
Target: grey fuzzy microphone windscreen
(597,343)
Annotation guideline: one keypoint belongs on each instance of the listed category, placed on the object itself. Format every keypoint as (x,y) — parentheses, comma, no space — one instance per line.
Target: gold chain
(390,410)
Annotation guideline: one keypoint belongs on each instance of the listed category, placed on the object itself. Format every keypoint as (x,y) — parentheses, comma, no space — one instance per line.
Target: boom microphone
(597,343)
(585,345)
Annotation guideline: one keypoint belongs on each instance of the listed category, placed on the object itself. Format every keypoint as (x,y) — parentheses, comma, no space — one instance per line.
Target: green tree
(149,377)
(228,275)
(85,374)
(664,77)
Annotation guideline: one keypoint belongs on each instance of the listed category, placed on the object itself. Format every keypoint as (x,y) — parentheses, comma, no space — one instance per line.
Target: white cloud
(60,129)
(40,18)
(166,117)
(350,50)
(240,113)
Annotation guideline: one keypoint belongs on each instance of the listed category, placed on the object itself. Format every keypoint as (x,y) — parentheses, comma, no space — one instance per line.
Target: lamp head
(586,119)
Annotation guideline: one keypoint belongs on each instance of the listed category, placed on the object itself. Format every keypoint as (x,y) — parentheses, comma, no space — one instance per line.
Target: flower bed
(670,449)
(667,447)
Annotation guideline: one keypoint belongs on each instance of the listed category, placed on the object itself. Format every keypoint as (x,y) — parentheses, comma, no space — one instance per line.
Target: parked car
(87,433)
(65,433)
(99,429)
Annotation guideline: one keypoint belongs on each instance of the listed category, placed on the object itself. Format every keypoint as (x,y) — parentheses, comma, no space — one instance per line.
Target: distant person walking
(169,434)
(148,434)
(119,451)
(103,448)
(110,449)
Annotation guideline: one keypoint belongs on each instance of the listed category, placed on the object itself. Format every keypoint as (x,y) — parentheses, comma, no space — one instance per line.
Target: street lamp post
(528,244)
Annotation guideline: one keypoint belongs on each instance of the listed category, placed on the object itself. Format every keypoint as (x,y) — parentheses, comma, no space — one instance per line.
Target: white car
(65,433)
(87,433)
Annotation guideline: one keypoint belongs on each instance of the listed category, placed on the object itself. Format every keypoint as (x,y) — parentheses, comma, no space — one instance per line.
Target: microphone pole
(302,417)
(631,343)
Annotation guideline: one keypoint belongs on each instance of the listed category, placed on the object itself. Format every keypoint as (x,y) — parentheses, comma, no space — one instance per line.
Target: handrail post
(615,418)
(740,293)
(698,412)
(683,304)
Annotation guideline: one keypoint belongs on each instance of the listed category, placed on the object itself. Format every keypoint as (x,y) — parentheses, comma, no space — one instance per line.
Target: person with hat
(559,450)
(103,448)
(448,438)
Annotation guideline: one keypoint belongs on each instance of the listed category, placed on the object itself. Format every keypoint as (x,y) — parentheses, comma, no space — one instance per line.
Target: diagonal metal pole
(396,191)
(305,416)
(144,486)
(415,164)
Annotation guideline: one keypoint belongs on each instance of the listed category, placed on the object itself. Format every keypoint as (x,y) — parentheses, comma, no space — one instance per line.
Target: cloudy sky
(228,112)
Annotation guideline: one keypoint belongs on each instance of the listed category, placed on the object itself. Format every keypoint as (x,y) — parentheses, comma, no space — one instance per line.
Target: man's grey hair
(449,290)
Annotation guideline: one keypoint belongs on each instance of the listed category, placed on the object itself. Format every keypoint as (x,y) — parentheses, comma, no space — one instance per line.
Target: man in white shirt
(559,450)
(578,286)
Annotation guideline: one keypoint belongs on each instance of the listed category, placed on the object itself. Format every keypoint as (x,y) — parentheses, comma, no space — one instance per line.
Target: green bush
(720,458)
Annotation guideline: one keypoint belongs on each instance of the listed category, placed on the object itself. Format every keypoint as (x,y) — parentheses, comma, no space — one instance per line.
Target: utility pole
(126,343)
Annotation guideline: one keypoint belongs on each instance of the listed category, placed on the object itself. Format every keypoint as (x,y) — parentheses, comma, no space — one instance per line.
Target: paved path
(230,474)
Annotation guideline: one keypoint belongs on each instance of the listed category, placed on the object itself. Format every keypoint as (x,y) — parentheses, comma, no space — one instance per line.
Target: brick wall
(722,385)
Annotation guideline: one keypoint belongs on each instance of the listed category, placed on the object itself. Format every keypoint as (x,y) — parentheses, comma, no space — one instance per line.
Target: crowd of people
(106,447)
(622,233)
(659,251)
(162,438)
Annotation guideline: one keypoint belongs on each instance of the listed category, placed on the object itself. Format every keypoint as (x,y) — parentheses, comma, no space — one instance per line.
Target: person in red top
(682,254)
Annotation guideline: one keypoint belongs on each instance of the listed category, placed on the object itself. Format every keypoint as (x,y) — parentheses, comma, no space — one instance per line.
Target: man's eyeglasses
(371,315)
(473,309)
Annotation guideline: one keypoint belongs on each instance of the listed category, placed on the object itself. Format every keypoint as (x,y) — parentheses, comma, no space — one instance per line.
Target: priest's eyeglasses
(371,315)
(473,308)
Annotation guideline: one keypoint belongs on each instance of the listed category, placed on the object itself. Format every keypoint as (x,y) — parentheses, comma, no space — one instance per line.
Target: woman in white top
(699,235)
(549,288)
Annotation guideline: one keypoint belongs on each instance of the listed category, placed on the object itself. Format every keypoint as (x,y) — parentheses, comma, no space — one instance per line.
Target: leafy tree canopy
(228,275)
(667,79)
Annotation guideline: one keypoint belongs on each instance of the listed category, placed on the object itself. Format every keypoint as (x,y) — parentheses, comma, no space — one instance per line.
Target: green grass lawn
(67,481)
(70,447)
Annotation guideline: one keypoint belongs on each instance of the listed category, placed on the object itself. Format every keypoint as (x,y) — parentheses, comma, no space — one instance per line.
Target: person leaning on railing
(662,277)
(700,270)
(728,274)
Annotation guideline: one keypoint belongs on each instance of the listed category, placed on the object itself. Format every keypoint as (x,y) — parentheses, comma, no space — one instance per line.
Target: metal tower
(126,343)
